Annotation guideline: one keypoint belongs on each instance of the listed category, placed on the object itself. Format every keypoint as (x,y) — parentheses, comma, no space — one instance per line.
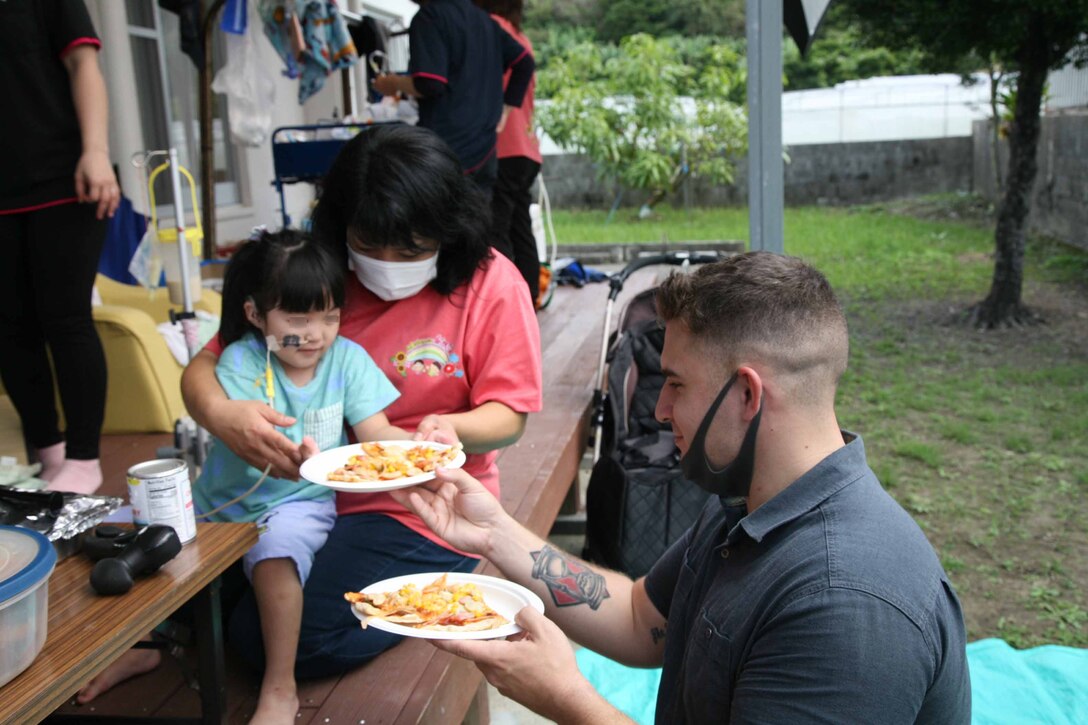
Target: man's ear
(753,390)
(252,316)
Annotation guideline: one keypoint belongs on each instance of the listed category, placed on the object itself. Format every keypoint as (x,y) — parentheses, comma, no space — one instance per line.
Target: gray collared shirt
(825,604)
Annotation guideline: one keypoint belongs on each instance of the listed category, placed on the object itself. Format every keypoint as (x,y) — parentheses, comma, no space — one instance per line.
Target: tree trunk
(1002,307)
(995,130)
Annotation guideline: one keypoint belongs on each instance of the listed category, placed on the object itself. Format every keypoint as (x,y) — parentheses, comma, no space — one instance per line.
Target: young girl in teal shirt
(282,290)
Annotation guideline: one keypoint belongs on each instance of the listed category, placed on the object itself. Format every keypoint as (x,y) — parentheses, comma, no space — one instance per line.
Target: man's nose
(663,409)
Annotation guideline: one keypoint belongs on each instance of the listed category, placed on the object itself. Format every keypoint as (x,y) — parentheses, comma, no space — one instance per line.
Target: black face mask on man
(735,478)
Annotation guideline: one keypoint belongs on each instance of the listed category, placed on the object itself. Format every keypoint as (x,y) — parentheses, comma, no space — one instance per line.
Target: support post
(763,20)
(207,150)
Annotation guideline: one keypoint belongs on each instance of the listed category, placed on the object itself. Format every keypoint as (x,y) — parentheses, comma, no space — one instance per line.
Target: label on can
(160,493)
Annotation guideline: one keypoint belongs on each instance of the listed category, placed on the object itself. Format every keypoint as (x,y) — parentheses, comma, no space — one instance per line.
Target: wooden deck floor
(570,332)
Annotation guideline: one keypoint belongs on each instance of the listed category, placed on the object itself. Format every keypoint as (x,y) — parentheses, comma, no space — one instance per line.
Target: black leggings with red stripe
(48,260)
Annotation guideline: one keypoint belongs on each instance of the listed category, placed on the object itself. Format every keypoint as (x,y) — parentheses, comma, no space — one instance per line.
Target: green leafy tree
(623,109)
(564,13)
(554,39)
(1027,39)
(841,54)
(619,18)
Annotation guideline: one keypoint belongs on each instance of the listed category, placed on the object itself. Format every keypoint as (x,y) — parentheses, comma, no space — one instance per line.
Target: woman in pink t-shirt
(519,163)
(447,321)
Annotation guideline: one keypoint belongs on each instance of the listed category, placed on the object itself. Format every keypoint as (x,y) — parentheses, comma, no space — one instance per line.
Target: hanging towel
(311,38)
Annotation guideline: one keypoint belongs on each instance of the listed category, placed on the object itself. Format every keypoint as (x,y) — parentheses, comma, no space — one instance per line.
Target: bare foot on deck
(134,662)
(276,706)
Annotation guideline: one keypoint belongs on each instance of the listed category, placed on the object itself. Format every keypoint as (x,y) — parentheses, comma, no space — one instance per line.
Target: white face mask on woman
(392,280)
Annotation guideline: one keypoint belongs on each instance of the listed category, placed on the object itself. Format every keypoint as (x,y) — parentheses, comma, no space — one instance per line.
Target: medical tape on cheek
(273,345)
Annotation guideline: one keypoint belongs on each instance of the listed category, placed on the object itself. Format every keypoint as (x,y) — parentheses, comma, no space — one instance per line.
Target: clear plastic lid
(26,557)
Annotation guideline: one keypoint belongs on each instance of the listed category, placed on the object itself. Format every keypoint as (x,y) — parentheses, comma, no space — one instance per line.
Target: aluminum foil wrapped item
(62,517)
(81,513)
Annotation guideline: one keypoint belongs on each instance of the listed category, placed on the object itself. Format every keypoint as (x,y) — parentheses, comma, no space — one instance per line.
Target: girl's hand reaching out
(308,448)
(436,428)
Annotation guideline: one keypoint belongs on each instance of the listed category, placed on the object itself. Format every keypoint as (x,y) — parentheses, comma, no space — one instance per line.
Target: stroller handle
(617,280)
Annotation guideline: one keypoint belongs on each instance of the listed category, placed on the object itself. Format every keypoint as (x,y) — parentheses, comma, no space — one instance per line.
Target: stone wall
(835,174)
(1059,203)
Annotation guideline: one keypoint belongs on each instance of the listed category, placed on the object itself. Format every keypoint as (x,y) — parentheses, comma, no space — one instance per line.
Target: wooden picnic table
(86,632)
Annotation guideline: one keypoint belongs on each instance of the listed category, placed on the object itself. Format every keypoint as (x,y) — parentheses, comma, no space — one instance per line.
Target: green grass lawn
(981,436)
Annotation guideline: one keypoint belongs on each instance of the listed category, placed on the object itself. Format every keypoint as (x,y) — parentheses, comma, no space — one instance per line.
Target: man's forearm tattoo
(568,581)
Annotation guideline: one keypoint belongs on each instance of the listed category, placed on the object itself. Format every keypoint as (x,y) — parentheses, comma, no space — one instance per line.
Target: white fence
(899,107)
(1067,88)
(885,109)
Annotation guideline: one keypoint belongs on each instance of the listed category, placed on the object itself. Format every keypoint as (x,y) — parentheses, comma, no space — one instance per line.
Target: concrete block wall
(1059,203)
(835,174)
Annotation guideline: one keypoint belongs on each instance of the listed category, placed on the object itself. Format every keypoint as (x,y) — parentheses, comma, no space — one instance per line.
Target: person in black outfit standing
(458,57)
(519,164)
(57,186)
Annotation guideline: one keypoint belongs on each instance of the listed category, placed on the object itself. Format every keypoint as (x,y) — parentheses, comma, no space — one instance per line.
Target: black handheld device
(127,555)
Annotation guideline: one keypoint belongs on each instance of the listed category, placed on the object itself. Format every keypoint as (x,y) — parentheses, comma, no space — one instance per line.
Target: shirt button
(708,633)
(725,553)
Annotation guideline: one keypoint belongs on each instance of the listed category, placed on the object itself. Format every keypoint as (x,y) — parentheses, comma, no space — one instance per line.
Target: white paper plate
(506,598)
(318,468)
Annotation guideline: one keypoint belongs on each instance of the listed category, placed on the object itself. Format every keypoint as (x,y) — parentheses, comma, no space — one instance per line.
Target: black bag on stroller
(638,502)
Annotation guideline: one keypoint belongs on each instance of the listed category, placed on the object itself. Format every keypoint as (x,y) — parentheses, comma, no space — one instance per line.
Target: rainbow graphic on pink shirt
(429,356)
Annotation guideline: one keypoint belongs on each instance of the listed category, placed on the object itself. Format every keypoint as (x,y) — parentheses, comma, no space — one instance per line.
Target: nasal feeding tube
(274,345)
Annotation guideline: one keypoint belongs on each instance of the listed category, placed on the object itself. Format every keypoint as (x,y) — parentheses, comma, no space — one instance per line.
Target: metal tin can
(160,493)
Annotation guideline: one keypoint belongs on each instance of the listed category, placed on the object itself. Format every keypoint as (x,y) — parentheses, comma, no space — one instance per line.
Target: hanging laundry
(124,230)
(235,17)
(192,42)
(312,39)
(250,89)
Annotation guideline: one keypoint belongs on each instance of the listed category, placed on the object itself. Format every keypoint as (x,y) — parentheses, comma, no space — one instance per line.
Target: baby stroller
(638,502)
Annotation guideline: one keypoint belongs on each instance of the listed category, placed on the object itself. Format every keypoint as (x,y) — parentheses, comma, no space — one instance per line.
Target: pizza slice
(439,606)
(379,462)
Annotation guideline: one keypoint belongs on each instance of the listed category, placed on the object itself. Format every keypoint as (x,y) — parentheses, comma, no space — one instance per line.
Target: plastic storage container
(26,562)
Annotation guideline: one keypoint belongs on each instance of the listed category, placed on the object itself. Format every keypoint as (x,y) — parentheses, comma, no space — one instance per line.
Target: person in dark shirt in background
(458,57)
(56,187)
(519,163)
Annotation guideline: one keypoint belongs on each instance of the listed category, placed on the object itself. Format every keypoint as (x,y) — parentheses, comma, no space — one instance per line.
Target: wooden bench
(413,682)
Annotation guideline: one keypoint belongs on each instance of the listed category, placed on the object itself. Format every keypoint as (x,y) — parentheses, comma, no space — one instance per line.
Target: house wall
(1059,201)
(849,173)
(259,202)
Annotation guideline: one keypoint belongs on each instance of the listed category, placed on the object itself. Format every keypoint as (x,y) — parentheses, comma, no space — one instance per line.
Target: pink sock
(77,476)
(51,458)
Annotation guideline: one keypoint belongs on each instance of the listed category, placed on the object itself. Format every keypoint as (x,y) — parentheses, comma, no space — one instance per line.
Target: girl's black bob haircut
(393,185)
(287,269)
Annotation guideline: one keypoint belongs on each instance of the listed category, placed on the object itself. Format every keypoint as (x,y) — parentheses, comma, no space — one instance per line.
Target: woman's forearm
(488,427)
(89,97)
(200,389)
(249,428)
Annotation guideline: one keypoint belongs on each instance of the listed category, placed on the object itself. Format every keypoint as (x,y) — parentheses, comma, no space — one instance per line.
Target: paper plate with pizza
(443,606)
(380,465)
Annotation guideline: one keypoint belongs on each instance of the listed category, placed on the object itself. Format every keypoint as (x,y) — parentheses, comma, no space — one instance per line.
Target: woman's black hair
(392,185)
(287,269)
(512,10)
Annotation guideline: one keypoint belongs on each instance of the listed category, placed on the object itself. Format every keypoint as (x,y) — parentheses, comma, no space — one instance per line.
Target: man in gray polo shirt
(803,592)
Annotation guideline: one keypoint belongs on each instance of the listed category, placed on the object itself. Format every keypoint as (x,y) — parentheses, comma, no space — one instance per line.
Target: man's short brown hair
(767,308)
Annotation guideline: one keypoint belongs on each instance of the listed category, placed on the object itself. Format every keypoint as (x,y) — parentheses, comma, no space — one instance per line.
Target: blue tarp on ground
(1046,684)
